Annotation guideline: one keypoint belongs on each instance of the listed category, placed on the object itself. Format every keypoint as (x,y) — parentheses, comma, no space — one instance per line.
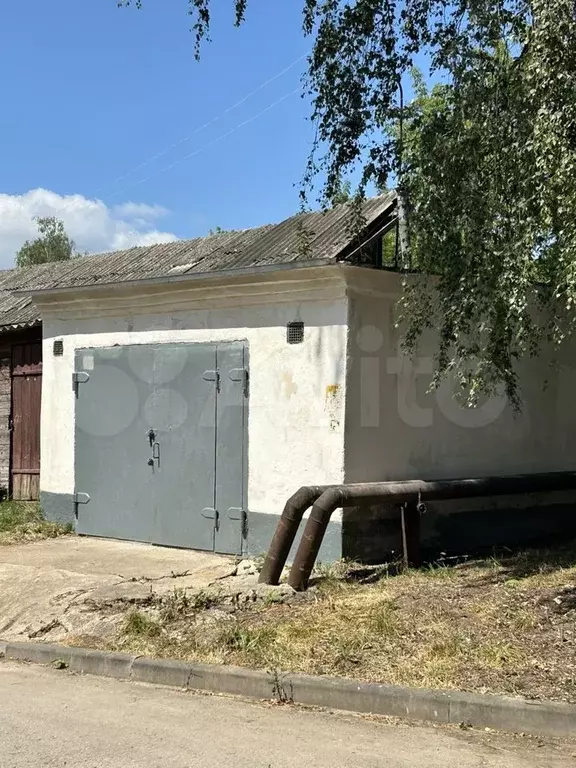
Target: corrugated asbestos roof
(326,235)
(15,311)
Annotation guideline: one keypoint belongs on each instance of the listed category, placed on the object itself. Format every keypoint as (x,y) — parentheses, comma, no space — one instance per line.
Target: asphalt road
(52,718)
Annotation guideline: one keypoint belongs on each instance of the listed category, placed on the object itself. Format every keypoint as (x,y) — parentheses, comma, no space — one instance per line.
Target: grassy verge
(505,625)
(22,521)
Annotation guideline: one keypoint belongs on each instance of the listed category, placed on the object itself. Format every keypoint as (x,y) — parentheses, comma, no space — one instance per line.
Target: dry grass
(503,625)
(22,521)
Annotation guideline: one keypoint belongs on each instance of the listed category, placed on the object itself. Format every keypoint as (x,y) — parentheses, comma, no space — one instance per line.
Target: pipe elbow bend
(323,508)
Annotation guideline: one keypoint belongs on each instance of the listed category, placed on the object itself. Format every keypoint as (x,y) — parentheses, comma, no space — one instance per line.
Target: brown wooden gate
(25,420)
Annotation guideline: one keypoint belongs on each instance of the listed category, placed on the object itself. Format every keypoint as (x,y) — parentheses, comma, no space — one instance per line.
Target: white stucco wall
(296,400)
(395,430)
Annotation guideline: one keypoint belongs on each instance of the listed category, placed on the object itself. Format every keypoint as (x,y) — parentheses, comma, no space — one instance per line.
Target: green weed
(138,624)
(23,521)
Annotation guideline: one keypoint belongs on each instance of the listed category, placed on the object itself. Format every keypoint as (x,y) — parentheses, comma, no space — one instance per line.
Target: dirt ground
(504,625)
(64,586)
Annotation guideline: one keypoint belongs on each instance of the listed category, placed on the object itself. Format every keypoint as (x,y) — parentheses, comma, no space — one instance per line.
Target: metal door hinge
(241,375)
(212,376)
(211,514)
(79,377)
(80,498)
(237,513)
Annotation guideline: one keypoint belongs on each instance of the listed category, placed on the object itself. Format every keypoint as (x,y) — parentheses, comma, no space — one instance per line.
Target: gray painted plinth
(507,714)
(58,507)
(373,535)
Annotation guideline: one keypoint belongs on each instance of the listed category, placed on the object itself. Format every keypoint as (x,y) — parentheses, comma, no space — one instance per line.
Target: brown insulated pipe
(286,531)
(313,536)
(409,491)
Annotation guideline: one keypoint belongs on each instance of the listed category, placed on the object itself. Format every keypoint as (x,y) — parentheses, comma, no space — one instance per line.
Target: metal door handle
(156,452)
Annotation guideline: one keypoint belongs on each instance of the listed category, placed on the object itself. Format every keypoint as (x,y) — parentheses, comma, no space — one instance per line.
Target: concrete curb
(507,714)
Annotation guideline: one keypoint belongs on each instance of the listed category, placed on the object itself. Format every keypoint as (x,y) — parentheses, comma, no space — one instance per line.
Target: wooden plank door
(26,398)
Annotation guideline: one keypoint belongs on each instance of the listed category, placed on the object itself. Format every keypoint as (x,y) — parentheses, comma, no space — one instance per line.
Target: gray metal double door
(160,441)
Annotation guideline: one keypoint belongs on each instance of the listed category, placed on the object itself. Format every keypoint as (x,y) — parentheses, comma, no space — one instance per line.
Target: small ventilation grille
(295,332)
(58,347)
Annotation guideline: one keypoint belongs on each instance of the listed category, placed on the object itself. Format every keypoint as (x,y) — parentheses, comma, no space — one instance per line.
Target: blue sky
(91,91)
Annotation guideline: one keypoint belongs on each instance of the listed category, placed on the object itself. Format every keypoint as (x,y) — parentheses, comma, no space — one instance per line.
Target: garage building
(190,388)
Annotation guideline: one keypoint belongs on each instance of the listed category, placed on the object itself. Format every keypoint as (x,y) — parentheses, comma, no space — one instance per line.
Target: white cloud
(129,238)
(92,225)
(141,211)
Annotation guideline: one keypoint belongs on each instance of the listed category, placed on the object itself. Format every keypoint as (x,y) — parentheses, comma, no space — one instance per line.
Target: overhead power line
(202,127)
(208,144)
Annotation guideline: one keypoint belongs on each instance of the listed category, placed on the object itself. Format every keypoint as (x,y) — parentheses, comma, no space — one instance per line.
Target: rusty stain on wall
(332,390)
(333,404)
